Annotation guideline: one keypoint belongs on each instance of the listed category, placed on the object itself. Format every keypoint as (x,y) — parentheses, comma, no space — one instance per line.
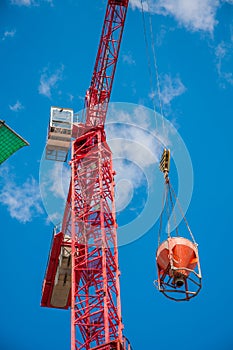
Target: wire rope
(183,215)
(161,216)
(155,62)
(168,212)
(172,207)
(149,62)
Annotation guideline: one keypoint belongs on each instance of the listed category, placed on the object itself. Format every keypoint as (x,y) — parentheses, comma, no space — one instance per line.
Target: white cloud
(23,2)
(54,186)
(22,201)
(29,3)
(228,77)
(8,34)
(170,88)
(139,4)
(220,51)
(49,81)
(160,35)
(59,177)
(129,177)
(132,143)
(135,149)
(127,58)
(16,107)
(223,54)
(71,97)
(140,116)
(194,15)
(54,217)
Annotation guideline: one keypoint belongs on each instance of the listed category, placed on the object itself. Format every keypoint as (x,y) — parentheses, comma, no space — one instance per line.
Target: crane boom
(98,94)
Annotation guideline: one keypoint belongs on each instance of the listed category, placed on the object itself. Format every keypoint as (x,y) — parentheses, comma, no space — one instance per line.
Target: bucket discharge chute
(177,260)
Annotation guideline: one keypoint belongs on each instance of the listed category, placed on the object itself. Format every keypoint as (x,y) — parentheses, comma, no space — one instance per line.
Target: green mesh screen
(10,142)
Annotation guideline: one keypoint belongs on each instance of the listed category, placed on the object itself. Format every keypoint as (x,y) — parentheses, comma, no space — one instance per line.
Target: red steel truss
(95,291)
(90,283)
(98,94)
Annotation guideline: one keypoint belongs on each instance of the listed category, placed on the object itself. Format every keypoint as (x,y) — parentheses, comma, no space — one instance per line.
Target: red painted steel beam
(95,301)
(89,217)
(98,95)
(51,271)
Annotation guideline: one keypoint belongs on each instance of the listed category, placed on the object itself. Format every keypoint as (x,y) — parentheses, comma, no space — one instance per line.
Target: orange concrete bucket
(177,257)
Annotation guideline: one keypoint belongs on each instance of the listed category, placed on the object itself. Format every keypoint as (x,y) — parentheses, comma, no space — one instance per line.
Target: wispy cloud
(16,107)
(60,179)
(8,34)
(54,185)
(127,58)
(136,150)
(160,35)
(170,88)
(54,217)
(48,81)
(129,178)
(23,2)
(29,3)
(223,53)
(198,15)
(138,4)
(22,200)
(133,143)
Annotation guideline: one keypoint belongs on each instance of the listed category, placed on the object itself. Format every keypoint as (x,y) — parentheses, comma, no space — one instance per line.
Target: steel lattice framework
(90,212)
(82,271)
(98,94)
(95,289)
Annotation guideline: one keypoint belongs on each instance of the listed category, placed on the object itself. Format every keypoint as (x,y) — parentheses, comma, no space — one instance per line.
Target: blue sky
(48,50)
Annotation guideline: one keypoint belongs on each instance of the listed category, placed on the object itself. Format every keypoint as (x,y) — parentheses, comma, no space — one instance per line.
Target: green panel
(10,142)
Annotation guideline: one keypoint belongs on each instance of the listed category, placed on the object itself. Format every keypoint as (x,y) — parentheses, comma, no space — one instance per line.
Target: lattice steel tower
(83,271)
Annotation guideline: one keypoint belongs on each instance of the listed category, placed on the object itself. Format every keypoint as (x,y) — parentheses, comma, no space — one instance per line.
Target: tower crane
(83,271)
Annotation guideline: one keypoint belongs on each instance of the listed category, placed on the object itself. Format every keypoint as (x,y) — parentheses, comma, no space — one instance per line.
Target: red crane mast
(83,270)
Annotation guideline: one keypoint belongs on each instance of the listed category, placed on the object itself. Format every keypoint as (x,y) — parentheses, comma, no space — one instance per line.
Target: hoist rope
(167,203)
(149,63)
(158,85)
(168,212)
(169,193)
(161,217)
(168,206)
(182,213)
(172,207)
(155,61)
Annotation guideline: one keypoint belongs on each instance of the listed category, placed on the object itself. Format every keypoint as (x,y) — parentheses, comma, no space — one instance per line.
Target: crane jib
(99,92)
